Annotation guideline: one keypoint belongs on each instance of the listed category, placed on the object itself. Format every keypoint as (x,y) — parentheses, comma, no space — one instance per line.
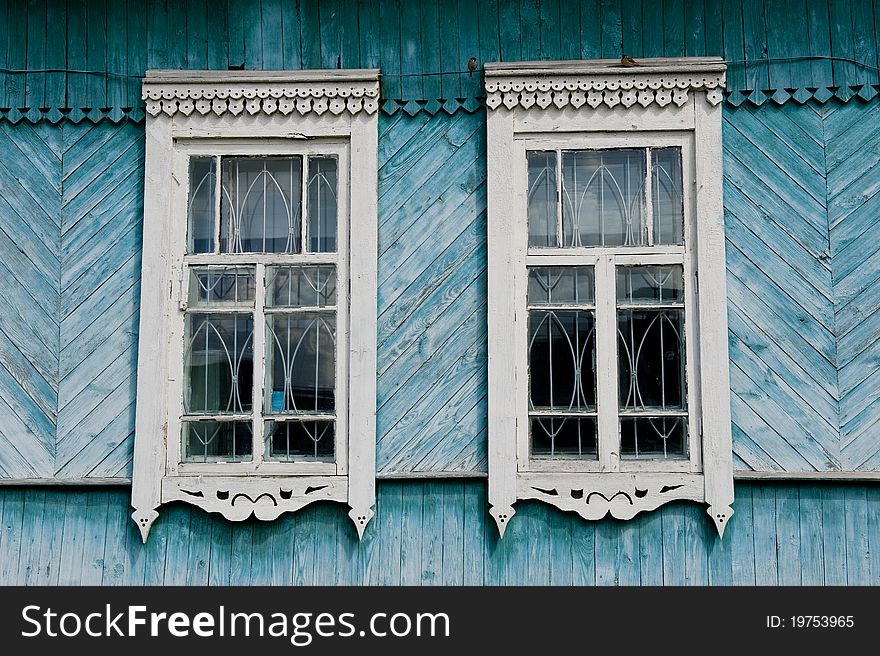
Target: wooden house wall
(421,46)
(433,533)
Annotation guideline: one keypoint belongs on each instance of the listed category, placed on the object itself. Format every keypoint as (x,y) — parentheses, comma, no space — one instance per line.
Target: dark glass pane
(562,371)
(563,436)
(302,362)
(542,203)
(202,182)
(561,285)
(299,440)
(653,437)
(667,197)
(222,286)
(322,204)
(650,285)
(651,359)
(603,198)
(301,286)
(260,206)
(217,441)
(218,369)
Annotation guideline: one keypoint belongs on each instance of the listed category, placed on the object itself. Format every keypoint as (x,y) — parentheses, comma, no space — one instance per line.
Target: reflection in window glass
(222,286)
(561,285)
(300,440)
(542,194)
(322,204)
(200,208)
(652,285)
(217,441)
(667,197)
(301,286)
(218,371)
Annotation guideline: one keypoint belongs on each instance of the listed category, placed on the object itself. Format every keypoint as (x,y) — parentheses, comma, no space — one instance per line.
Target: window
(256,387)
(606,264)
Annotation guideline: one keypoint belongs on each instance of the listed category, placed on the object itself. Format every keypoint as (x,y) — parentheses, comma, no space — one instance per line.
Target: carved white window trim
(572,105)
(264,113)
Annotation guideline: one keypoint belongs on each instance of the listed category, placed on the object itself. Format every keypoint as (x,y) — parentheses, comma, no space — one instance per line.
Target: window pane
(219,361)
(562,353)
(563,436)
(221,286)
(202,182)
(651,359)
(322,204)
(650,285)
(302,362)
(561,286)
(217,441)
(542,211)
(653,437)
(301,286)
(298,440)
(667,196)
(603,195)
(260,208)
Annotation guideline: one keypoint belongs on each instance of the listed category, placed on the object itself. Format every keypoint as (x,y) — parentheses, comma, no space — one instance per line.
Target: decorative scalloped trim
(390,107)
(588,90)
(268,98)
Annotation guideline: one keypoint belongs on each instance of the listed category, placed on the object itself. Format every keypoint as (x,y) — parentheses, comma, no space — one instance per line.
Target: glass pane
(603,195)
(562,354)
(221,286)
(260,208)
(202,182)
(302,362)
(563,436)
(653,437)
(322,204)
(667,196)
(650,285)
(217,441)
(651,359)
(561,285)
(542,213)
(219,362)
(301,286)
(298,440)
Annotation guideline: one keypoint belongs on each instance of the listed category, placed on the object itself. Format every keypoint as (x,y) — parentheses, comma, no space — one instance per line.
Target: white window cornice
(592,84)
(236,93)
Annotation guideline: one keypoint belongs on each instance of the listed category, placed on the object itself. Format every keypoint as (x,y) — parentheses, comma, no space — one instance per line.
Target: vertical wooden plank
(117,55)
(810,535)
(70,567)
(221,551)
(840,13)
(570,29)
(10,547)
(35,84)
(304,549)
(651,548)
(432,534)
(198,559)
(612,37)
(283,538)
(411,533)
(742,541)
(31,533)
(873,497)
(819,28)
(177,544)
(115,545)
(218,35)
(696,539)
(136,18)
(561,550)
(235,27)
(197,34)
(734,46)
(858,557)
(495,555)
(390,515)
(607,551)
(788,535)
(764,514)
(714,28)
(411,50)
(673,28)
(389,39)
(56,52)
(368,26)
(551,37)
(488,24)
(241,550)
(52,534)
(95,537)
(864,41)
(369,550)
(16,55)
(468,46)
(779,35)
(530,31)
(348,556)
(329,519)
(331,34)
(509,32)
(652,29)
(583,552)
(755,45)
(261,551)
(449,53)
(272,38)
(672,517)
(4,39)
(515,547)
(430,49)
(158,40)
(538,564)
(77,36)
(800,72)
(290,35)
(721,555)
(253,36)
(452,538)
(834,534)
(475,523)
(633,28)
(628,560)
(176,35)
(694,29)
(591,29)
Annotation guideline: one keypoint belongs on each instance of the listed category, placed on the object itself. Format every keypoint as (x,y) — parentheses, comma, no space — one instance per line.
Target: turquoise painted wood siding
(422,47)
(439,533)
(71,211)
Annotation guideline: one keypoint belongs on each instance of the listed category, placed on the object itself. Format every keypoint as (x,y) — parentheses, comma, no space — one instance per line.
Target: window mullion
(606,365)
(259,364)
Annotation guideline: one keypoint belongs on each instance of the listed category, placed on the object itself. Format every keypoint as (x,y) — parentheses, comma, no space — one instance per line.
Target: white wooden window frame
(558,106)
(221,114)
